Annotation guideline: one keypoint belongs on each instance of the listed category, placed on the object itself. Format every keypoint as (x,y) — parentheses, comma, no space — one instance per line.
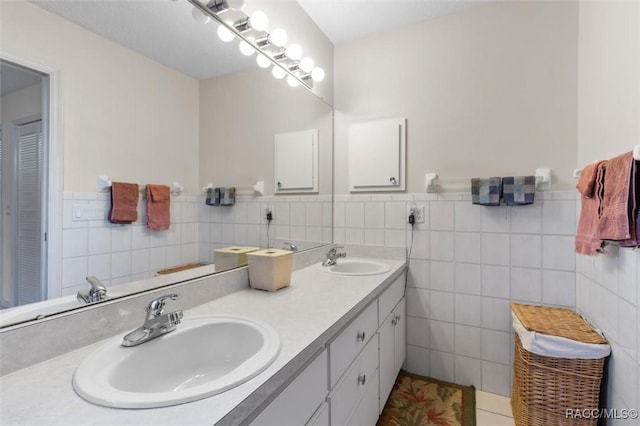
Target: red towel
(614,223)
(590,185)
(158,207)
(124,203)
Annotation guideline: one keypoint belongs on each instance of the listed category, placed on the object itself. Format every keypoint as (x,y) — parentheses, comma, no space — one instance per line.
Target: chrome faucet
(290,246)
(332,255)
(156,322)
(96,293)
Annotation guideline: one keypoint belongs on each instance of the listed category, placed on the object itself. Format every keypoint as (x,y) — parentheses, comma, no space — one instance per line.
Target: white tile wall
(122,253)
(607,294)
(467,263)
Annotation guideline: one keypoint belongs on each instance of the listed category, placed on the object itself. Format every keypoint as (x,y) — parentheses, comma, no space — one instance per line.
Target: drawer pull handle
(394,321)
(398,318)
(361,335)
(362,379)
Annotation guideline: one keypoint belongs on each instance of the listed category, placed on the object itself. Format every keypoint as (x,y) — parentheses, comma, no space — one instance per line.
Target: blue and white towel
(486,191)
(519,190)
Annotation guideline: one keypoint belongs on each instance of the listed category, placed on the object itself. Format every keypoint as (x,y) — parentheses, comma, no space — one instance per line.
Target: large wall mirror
(144,92)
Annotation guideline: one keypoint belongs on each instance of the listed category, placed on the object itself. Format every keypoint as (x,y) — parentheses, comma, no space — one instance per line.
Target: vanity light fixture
(254,37)
(245,48)
(218,6)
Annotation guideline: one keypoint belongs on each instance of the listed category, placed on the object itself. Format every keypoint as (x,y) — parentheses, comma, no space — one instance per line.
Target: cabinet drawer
(300,399)
(390,298)
(366,413)
(360,376)
(351,340)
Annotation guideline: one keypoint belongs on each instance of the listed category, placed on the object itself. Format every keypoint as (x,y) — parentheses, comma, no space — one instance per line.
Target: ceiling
(166,32)
(346,20)
(14,78)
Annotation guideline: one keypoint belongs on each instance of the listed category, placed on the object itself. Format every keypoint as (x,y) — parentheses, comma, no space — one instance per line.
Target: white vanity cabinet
(300,400)
(346,346)
(345,398)
(392,334)
(350,381)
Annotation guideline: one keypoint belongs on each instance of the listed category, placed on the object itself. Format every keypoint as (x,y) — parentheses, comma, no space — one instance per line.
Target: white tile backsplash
(441,216)
(441,305)
(468,278)
(374,215)
(526,250)
(467,217)
(442,336)
(441,245)
(468,341)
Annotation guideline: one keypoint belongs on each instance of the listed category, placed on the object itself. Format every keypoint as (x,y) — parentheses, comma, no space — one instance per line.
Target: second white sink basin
(203,357)
(355,266)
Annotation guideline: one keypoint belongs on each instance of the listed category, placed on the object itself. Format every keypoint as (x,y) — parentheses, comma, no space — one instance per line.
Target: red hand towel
(592,183)
(124,203)
(158,207)
(614,222)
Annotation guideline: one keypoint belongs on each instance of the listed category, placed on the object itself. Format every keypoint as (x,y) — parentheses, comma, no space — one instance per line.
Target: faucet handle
(156,306)
(290,246)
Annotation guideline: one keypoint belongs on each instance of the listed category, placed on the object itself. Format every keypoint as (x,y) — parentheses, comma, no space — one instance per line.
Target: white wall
(123,115)
(488,91)
(240,114)
(609,125)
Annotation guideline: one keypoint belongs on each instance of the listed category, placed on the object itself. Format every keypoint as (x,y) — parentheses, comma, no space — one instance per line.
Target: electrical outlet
(418,213)
(268,214)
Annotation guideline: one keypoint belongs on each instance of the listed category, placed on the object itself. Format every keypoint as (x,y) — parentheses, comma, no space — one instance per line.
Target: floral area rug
(422,401)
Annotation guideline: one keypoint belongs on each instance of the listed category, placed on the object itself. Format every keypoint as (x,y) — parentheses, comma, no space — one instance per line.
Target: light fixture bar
(307,83)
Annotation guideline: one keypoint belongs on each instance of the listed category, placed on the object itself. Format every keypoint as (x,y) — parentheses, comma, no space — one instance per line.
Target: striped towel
(486,191)
(519,190)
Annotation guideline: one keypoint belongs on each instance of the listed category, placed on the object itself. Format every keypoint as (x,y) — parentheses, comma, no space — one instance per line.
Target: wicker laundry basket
(552,390)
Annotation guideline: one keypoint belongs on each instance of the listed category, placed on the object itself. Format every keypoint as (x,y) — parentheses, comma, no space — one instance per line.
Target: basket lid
(554,321)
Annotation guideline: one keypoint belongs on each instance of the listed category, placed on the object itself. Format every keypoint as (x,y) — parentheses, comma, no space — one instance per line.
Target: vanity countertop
(306,315)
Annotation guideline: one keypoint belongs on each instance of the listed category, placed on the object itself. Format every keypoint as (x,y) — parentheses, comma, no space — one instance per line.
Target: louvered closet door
(29,237)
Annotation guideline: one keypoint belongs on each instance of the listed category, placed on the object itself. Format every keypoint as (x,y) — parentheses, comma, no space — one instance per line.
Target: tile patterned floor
(493,410)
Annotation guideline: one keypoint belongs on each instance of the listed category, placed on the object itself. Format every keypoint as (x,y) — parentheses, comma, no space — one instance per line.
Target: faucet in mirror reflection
(96,293)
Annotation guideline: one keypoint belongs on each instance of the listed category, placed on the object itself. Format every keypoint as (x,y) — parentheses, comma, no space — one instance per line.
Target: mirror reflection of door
(23,152)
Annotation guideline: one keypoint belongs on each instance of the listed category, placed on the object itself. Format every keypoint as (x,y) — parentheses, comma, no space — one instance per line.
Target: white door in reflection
(23,151)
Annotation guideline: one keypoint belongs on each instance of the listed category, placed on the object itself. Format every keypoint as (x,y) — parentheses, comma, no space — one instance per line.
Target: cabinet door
(400,335)
(297,403)
(387,359)
(366,413)
(296,161)
(377,152)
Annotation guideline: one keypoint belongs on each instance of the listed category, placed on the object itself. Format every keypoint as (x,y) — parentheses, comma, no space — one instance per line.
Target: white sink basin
(355,266)
(203,357)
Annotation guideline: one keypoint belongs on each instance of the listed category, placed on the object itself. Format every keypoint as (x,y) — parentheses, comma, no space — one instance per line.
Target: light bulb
(262,61)
(259,20)
(199,16)
(225,34)
(278,37)
(292,82)
(246,49)
(306,64)
(294,52)
(235,4)
(278,72)
(317,74)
